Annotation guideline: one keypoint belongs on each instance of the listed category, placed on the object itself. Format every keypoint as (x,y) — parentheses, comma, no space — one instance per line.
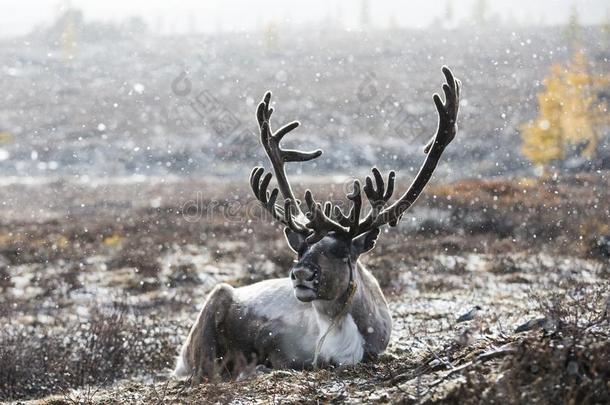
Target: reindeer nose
(303,273)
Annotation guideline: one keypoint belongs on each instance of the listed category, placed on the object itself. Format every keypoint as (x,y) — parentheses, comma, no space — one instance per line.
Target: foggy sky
(21,16)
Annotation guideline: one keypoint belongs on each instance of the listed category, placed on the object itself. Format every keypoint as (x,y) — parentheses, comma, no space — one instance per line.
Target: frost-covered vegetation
(96,306)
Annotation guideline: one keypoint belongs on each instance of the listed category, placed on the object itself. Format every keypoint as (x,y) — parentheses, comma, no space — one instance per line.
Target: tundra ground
(99,285)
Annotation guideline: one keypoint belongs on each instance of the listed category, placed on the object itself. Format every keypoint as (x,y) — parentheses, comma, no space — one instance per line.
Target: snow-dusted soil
(96,297)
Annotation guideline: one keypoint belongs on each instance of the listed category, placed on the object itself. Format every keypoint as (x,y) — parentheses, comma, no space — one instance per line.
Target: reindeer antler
(277,155)
(377,193)
(319,221)
(446,131)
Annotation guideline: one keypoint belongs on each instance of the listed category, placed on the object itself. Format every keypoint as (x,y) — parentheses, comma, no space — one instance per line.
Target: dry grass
(565,362)
(40,360)
(562,214)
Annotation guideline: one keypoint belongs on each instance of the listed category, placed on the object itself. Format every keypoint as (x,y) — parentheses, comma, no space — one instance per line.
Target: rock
(601,247)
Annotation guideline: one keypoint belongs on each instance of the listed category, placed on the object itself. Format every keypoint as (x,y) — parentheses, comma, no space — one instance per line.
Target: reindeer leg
(199,355)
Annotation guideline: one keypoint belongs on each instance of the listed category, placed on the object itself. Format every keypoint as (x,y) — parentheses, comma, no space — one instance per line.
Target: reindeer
(330,310)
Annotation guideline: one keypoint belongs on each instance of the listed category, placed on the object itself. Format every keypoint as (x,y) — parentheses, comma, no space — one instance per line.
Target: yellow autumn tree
(543,138)
(570,116)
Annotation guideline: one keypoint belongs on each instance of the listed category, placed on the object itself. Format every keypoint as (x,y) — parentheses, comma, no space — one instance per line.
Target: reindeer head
(323,270)
(327,241)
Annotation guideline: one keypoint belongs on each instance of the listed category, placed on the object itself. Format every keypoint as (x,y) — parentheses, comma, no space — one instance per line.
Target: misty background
(132,91)
(193,16)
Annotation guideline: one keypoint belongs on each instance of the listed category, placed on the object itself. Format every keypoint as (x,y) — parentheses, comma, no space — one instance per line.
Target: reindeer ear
(365,242)
(296,241)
